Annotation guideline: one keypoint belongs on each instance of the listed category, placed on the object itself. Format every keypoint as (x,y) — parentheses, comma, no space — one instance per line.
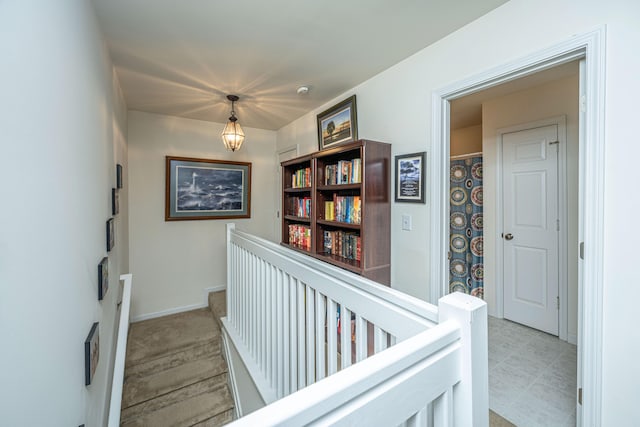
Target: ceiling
(467,111)
(182,58)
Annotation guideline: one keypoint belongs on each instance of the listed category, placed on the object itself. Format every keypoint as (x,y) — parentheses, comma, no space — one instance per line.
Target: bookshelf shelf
(338,224)
(297,218)
(298,190)
(347,194)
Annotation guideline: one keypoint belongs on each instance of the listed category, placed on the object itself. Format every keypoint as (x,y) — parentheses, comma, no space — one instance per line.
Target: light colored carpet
(496,420)
(175,374)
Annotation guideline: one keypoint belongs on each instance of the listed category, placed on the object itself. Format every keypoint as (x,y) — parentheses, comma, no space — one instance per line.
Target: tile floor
(532,375)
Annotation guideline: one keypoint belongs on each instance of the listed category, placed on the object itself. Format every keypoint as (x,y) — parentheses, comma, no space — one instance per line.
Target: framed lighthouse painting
(206,189)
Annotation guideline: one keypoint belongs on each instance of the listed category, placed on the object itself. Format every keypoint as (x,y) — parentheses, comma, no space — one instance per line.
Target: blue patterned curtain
(466,269)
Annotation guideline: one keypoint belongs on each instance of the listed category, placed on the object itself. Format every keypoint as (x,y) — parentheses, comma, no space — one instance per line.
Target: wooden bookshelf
(349,207)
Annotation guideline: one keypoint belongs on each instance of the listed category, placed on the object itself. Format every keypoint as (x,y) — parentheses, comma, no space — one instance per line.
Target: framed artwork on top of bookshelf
(410,178)
(338,125)
(207,189)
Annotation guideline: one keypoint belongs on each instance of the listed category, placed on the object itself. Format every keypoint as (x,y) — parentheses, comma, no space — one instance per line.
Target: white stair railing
(283,310)
(121,352)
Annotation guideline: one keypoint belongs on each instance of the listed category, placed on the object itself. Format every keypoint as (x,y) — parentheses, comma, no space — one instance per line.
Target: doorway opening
(587,49)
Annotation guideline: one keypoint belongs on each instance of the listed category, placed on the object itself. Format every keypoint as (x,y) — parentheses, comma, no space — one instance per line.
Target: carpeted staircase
(175,374)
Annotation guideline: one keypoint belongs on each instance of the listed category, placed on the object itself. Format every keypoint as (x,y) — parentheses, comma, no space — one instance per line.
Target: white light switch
(406,222)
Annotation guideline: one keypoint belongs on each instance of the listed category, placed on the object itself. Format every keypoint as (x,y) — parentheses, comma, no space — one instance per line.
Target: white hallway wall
(395,106)
(63,124)
(174,262)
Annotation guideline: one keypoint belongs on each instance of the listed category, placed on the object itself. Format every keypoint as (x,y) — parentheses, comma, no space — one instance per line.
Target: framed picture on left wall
(115,202)
(91,354)
(111,234)
(103,277)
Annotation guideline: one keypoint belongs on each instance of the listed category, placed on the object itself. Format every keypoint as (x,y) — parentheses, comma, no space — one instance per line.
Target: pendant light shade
(232,135)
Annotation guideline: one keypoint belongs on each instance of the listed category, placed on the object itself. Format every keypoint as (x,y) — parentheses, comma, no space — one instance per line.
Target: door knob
(508,236)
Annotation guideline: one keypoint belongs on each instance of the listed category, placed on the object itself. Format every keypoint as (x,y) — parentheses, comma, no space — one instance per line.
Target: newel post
(231,315)
(471,395)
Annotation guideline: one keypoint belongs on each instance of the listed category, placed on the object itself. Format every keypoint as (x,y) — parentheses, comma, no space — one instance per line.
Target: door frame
(590,49)
(563,216)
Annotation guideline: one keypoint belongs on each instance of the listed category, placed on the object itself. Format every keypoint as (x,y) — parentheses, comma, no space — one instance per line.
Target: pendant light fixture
(232,135)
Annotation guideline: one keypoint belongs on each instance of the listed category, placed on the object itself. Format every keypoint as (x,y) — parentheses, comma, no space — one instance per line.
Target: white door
(530,227)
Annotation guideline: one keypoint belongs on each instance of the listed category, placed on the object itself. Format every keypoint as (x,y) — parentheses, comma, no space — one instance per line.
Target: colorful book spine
(343,172)
(301,178)
(344,244)
(300,235)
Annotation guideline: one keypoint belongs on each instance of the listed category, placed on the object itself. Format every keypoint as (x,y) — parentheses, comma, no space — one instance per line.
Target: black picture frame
(91,353)
(103,278)
(111,234)
(115,202)
(206,189)
(338,125)
(410,178)
(119,182)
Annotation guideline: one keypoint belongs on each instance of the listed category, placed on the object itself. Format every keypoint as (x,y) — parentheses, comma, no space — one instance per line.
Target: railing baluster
(293,335)
(285,333)
(260,310)
(279,335)
(310,332)
(301,336)
(252,307)
(265,315)
(273,326)
(379,339)
(332,337)
(361,338)
(320,336)
(345,337)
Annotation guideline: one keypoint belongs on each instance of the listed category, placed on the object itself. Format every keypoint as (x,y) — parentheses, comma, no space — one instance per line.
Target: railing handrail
(282,309)
(411,304)
(338,391)
(121,352)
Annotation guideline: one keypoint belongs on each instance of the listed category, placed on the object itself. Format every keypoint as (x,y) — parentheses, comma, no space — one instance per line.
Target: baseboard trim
(218,288)
(176,310)
(168,312)
(572,339)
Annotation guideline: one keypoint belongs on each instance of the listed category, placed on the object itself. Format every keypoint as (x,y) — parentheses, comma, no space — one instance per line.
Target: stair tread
(142,388)
(172,334)
(195,409)
(161,363)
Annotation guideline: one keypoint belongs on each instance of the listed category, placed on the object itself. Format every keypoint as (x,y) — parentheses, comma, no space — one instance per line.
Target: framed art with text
(206,189)
(410,178)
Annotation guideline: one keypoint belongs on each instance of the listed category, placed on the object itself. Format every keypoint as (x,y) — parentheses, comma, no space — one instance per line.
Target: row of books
(301,178)
(343,209)
(344,172)
(342,243)
(300,206)
(300,235)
